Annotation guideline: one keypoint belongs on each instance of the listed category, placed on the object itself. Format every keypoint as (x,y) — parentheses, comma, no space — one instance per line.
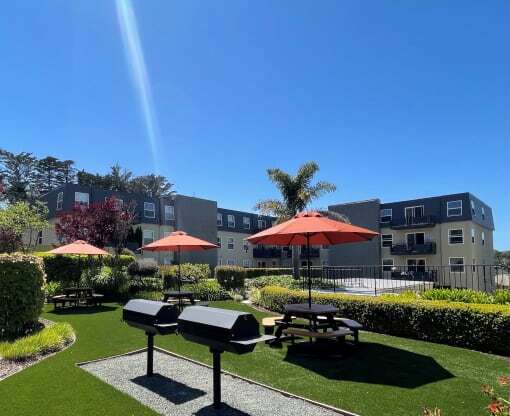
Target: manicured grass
(387,375)
(49,339)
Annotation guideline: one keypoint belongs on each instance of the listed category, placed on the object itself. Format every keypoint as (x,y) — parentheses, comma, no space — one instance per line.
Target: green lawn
(388,375)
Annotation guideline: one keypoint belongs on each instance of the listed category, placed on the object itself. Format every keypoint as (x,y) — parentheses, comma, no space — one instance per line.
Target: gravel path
(181,388)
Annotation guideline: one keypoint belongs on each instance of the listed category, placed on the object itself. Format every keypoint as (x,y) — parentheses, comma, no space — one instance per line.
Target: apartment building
(157,217)
(450,230)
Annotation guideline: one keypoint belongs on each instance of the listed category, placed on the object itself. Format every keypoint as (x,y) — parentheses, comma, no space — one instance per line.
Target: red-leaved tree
(100,223)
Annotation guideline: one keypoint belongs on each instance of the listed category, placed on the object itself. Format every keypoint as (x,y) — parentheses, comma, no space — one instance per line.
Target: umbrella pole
(179,274)
(309,270)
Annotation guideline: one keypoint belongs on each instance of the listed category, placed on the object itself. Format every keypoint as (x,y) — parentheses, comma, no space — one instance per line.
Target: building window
(454,208)
(231,262)
(167,260)
(473,210)
(169,213)
(386,215)
(218,241)
(60,200)
(246,223)
(456,264)
(473,267)
(246,263)
(148,237)
(386,240)
(39,237)
(456,236)
(414,212)
(245,246)
(483,213)
(483,238)
(261,224)
(231,221)
(149,210)
(219,219)
(81,198)
(473,235)
(166,233)
(387,265)
(230,243)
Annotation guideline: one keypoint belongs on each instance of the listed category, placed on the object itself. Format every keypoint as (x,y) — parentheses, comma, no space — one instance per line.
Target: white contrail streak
(136,61)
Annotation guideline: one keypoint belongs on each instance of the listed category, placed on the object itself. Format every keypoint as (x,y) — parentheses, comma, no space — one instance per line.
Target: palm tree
(297,193)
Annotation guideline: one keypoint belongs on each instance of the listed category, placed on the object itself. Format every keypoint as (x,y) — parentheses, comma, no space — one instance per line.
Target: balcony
(266,252)
(404,249)
(314,252)
(411,222)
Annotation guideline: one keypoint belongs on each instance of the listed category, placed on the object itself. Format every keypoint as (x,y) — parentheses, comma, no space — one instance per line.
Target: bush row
(230,277)
(67,269)
(262,271)
(21,294)
(190,273)
(477,326)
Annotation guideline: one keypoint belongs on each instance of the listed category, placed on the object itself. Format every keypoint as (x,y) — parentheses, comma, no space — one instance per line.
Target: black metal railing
(374,279)
(412,222)
(266,252)
(314,252)
(410,249)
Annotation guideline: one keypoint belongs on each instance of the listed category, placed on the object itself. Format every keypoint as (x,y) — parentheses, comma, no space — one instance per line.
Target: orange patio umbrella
(311,228)
(79,247)
(179,241)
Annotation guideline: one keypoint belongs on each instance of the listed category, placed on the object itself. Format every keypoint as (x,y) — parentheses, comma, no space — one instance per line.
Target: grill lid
(214,317)
(148,307)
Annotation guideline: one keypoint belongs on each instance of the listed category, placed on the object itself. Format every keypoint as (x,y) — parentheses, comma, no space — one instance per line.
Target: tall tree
(153,185)
(297,192)
(66,172)
(119,178)
(18,172)
(100,224)
(20,224)
(47,174)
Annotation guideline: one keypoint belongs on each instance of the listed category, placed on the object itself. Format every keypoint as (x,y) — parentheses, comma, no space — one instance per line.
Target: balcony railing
(266,252)
(412,222)
(405,249)
(314,252)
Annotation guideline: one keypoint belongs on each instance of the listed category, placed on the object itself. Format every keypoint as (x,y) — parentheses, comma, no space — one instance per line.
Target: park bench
(76,297)
(303,332)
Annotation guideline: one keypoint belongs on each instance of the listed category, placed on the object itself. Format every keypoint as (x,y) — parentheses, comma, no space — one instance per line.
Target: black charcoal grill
(221,330)
(152,317)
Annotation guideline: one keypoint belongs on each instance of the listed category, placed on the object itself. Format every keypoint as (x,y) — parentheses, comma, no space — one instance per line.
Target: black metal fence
(374,279)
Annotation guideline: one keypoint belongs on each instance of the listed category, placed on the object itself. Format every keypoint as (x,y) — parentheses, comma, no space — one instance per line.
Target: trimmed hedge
(67,269)
(230,277)
(262,271)
(208,289)
(21,293)
(285,281)
(470,325)
(190,273)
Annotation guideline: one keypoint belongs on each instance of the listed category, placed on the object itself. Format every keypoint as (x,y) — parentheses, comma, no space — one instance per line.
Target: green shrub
(286,281)
(502,296)
(50,339)
(457,295)
(208,289)
(51,289)
(149,295)
(230,277)
(143,268)
(139,284)
(190,273)
(67,269)
(476,326)
(109,281)
(271,271)
(21,294)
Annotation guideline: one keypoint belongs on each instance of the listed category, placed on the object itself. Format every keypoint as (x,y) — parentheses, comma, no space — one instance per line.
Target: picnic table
(321,322)
(75,296)
(180,296)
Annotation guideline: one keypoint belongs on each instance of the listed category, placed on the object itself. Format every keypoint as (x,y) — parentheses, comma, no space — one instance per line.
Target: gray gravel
(180,387)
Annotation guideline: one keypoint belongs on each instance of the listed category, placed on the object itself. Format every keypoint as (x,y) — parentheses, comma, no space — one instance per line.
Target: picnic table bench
(75,296)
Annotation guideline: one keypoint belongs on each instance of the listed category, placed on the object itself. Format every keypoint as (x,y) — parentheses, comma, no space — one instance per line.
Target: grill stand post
(150,353)
(216,377)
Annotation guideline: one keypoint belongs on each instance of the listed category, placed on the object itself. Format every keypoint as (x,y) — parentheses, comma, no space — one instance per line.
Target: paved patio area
(180,388)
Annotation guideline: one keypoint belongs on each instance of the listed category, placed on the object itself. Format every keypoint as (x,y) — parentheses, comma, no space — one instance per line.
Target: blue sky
(394,99)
